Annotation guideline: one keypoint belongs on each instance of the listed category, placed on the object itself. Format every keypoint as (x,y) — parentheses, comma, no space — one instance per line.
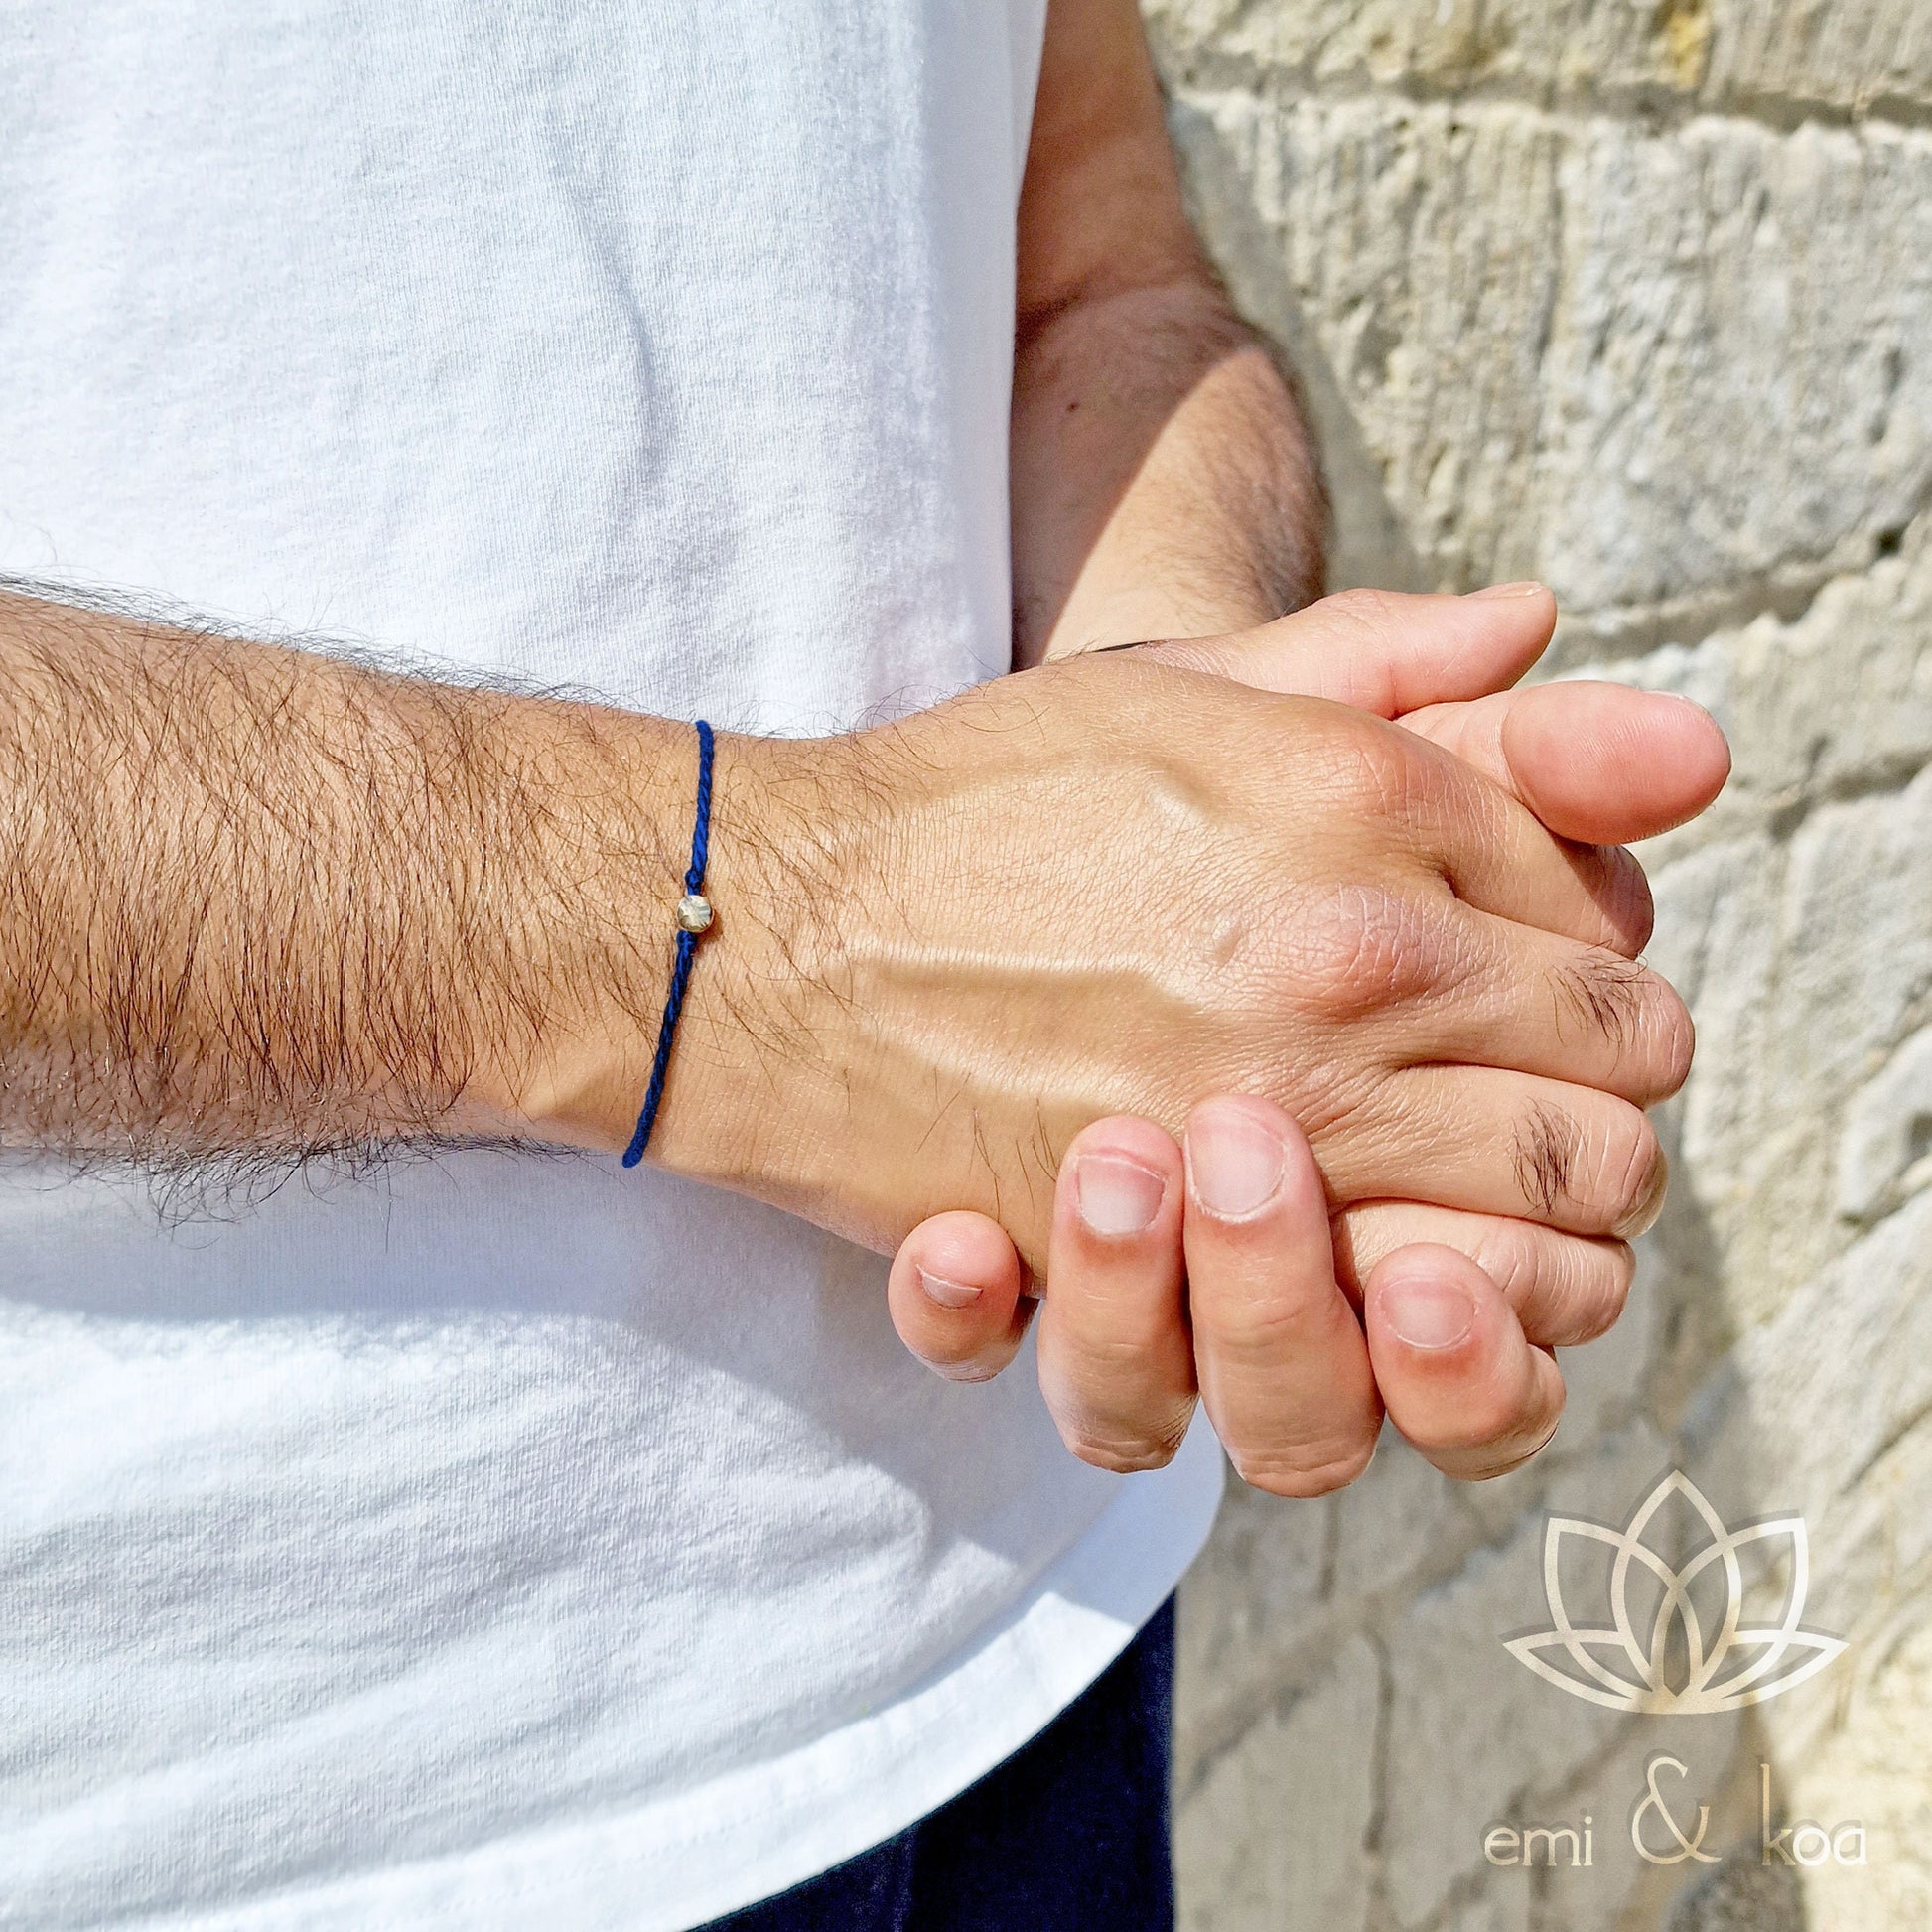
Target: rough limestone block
(1751,1210)
(1274,1837)
(1834,703)
(1826,1410)
(1649,367)
(1856,951)
(1734,379)
(1811,1406)
(1426,46)
(1285,1583)
(1804,960)
(1398,1528)
(1863,56)
(1253,1599)
(1888,1132)
(1742,1895)
(1502,1907)
(1871,1767)
(1776,58)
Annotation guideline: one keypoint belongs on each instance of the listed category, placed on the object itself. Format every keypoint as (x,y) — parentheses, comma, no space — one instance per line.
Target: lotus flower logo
(1681,1663)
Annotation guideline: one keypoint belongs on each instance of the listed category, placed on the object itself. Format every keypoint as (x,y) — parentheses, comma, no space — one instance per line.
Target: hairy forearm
(256,900)
(1163,483)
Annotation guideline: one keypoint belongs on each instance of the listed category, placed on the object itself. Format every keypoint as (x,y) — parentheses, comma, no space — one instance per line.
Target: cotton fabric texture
(1072,1834)
(512,1542)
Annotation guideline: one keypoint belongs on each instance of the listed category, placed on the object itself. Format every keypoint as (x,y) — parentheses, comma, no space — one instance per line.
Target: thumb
(957,1296)
(1602,764)
(1384,652)
(1461,1380)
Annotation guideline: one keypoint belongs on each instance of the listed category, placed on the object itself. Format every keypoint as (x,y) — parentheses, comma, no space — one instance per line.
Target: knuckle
(1620,892)
(1514,1258)
(1627,899)
(968,1369)
(1547,1145)
(1514,1455)
(1565,1289)
(1494,1420)
(1679,1047)
(1487,1468)
(1363,609)
(1206,654)
(1368,770)
(1604,993)
(1597,1305)
(1304,1469)
(1635,1012)
(1363,949)
(1492,1434)
(1123,1458)
(1258,1313)
(1258,1337)
(1631,1166)
(1610,1171)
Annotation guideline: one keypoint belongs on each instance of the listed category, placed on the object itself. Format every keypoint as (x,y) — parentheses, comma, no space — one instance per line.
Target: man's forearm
(1164,482)
(255,898)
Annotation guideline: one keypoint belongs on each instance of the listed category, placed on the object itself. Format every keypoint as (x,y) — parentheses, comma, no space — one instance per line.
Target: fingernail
(1427,1314)
(1529,586)
(950,1295)
(1117,1195)
(1234,1162)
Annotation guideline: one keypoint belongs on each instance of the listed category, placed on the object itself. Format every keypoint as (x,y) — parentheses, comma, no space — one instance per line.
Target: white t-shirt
(508,1541)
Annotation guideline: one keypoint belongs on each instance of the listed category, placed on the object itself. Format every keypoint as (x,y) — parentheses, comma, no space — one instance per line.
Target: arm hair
(263,903)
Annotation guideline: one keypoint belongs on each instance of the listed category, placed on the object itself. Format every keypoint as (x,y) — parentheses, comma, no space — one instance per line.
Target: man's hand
(1460,1309)
(1164,485)
(1115,886)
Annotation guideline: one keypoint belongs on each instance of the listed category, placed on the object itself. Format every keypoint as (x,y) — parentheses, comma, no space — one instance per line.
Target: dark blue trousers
(1068,1835)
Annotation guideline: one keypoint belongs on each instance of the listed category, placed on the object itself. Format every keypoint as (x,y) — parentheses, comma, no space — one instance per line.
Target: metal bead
(693,913)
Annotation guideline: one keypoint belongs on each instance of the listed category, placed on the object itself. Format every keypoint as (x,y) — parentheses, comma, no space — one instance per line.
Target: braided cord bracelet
(694,916)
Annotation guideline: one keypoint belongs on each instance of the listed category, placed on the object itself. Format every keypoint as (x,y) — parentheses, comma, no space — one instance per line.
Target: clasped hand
(1412,1146)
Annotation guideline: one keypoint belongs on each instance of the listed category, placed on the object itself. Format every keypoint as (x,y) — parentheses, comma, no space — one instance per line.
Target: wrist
(754,1089)
(588,900)
(757,1087)
(1139,607)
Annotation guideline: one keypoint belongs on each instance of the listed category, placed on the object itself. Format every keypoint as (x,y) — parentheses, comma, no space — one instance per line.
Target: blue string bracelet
(694,916)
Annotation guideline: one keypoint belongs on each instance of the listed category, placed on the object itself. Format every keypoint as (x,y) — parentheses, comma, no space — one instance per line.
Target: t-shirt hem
(679,1861)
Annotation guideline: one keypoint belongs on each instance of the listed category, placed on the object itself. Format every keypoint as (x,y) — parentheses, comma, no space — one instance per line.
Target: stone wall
(1635,297)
